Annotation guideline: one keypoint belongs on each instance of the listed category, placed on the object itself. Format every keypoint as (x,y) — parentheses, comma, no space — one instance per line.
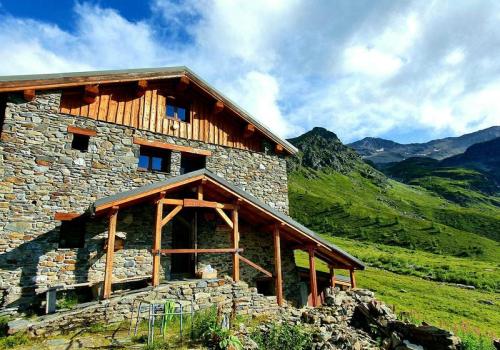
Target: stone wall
(201,294)
(41,174)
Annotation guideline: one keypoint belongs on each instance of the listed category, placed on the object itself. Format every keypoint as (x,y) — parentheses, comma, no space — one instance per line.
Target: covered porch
(201,196)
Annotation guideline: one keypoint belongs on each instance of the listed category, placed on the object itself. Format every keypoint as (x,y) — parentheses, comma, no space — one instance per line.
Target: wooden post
(353,278)
(236,243)
(312,278)
(332,277)
(110,251)
(157,240)
(277,266)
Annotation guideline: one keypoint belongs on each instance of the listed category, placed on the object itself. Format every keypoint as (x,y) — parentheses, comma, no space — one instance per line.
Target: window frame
(155,152)
(176,104)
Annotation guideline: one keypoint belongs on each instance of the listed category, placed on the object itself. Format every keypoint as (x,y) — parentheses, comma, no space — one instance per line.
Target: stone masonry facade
(40,174)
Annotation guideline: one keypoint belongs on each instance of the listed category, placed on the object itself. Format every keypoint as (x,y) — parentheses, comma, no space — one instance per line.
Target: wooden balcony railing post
(110,251)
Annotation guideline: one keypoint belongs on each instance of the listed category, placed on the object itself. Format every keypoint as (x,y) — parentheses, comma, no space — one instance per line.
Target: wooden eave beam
(278,148)
(248,131)
(29,95)
(189,202)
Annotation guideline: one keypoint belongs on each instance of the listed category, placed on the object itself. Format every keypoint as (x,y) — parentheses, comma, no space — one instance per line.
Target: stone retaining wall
(202,294)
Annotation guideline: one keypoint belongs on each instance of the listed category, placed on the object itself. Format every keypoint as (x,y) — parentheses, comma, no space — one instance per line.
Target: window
(80,142)
(191,162)
(154,159)
(72,234)
(177,110)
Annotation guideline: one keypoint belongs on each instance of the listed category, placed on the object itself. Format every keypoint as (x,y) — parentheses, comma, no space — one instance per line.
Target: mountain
(333,191)
(381,151)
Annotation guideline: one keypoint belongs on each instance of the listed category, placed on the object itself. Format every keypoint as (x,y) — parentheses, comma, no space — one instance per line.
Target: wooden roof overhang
(30,83)
(251,210)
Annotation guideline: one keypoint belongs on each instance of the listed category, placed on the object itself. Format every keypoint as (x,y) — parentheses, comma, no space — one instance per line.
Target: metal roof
(239,192)
(16,82)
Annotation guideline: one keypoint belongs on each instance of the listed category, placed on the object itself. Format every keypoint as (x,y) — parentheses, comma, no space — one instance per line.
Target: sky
(408,70)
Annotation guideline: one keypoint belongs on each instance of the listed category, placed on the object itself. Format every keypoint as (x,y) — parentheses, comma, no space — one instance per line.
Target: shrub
(13,341)
(476,342)
(283,337)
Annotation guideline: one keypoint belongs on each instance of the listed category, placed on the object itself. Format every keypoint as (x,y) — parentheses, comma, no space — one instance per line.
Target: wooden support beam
(168,201)
(353,278)
(66,216)
(224,216)
(171,146)
(218,107)
(182,84)
(279,148)
(29,95)
(142,86)
(81,131)
(255,266)
(90,93)
(248,131)
(235,238)
(199,251)
(189,202)
(332,276)
(170,215)
(157,239)
(312,278)
(110,251)
(277,266)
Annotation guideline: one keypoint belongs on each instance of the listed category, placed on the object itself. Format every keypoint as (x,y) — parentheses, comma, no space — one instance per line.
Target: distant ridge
(380,150)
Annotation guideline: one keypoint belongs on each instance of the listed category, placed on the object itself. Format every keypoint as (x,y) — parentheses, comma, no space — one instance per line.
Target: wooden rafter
(182,84)
(224,216)
(248,131)
(170,215)
(66,216)
(218,107)
(29,94)
(255,266)
(142,86)
(90,92)
(189,202)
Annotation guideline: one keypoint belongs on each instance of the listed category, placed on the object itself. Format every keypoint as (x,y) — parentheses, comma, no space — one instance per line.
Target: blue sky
(404,70)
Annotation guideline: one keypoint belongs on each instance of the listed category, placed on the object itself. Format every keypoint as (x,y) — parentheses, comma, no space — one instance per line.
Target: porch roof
(261,213)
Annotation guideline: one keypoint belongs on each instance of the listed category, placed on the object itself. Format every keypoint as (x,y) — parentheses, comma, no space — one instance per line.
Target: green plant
(4,326)
(67,300)
(219,338)
(283,337)
(203,321)
(473,341)
(13,341)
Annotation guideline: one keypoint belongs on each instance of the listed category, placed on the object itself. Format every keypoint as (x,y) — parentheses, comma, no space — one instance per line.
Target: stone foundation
(201,293)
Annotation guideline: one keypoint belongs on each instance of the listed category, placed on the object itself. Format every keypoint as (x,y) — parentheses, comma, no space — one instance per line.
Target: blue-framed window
(154,159)
(177,110)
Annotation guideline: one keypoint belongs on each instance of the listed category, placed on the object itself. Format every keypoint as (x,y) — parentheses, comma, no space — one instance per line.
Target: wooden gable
(143,105)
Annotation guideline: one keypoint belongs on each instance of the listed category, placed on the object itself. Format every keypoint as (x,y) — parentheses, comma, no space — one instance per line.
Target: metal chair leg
(138,318)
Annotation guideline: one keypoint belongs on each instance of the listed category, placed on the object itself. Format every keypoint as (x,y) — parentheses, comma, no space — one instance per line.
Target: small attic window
(72,234)
(176,110)
(80,142)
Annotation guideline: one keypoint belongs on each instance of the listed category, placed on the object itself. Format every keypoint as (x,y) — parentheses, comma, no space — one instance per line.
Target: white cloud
(359,68)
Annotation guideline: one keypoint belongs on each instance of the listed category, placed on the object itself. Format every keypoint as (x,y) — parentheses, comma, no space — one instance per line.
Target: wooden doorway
(183,236)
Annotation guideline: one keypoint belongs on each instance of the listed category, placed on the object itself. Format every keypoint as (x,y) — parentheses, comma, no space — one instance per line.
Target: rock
(496,343)
(18,325)
(486,302)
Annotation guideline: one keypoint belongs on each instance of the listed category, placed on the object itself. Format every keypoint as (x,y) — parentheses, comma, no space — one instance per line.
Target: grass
(436,303)
(393,214)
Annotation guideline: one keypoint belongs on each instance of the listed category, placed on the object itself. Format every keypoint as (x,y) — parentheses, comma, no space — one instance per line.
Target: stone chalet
(112,178)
